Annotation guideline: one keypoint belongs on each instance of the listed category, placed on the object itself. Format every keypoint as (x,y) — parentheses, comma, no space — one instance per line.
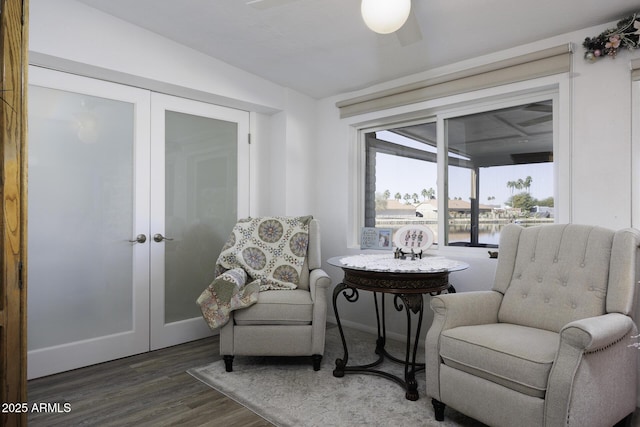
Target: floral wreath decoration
(625,35)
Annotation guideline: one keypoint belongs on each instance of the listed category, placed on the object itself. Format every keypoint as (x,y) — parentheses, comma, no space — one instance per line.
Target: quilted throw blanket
(261,254)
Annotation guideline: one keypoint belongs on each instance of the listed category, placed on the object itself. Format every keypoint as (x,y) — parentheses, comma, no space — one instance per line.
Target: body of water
(460,232)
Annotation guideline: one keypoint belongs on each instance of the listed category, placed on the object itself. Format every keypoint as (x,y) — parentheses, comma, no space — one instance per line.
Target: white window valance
(525,67)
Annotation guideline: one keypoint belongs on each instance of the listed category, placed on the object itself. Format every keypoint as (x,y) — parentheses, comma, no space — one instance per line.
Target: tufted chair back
(559,273)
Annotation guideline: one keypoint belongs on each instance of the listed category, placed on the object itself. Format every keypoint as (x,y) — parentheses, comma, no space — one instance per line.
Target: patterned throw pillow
(271,249)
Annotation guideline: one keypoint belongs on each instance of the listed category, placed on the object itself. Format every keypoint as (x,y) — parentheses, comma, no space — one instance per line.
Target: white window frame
(556,88)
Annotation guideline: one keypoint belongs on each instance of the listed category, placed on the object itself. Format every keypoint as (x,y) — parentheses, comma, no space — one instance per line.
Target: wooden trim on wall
(13,192)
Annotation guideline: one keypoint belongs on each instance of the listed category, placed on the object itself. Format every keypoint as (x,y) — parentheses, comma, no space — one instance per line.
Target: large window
(498,169)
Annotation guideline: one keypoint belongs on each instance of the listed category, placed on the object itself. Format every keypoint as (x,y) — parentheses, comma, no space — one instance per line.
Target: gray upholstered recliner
(283,322)
(549,345)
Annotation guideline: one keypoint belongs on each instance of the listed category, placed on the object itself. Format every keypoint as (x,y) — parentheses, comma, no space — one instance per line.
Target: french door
(131,196)
(199,186)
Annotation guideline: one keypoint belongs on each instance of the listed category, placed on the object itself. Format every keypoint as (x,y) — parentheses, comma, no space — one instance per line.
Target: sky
(399,174)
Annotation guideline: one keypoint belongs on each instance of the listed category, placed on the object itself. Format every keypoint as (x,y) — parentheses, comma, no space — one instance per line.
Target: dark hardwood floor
(151,389)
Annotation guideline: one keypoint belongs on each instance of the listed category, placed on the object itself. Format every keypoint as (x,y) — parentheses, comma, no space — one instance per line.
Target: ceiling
(322,47)
(516,135)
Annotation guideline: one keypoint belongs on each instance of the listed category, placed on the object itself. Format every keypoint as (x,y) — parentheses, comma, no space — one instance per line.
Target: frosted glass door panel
(80,205)
(200,205)
(199,189)
(85,277)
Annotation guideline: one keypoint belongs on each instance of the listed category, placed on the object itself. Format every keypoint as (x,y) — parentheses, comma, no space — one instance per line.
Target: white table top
(386,262)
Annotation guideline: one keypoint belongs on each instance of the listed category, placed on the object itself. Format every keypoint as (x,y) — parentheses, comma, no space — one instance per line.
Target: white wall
(70,36)
(597,167)
(291,159)
(602,139)
(70,31)
(303,156)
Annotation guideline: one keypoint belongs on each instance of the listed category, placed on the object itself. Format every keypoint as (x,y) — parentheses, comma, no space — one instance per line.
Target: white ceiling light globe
(385,16)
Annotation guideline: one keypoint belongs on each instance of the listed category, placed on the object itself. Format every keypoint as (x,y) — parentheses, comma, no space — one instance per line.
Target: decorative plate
(416,237)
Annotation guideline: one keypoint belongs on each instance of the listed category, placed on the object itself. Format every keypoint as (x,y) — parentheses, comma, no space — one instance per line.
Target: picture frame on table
(376,238)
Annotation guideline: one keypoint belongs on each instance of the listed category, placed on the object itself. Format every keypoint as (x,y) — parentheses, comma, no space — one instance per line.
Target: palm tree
(397,196)
(407,197)
(415,197)
(386,194)
(431,193)
(424,193)
(527,183)
(511,185)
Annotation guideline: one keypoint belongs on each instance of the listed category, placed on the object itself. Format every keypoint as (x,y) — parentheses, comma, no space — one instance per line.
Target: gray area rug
(288,392)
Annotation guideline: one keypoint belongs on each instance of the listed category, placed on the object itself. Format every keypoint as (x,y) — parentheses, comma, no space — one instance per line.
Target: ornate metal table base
(408,290)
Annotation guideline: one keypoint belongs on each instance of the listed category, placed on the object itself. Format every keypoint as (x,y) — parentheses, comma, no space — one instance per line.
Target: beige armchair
(283,322)
(549,345)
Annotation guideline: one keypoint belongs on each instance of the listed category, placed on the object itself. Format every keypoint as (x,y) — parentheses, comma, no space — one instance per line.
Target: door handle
(140,238)
(159,238)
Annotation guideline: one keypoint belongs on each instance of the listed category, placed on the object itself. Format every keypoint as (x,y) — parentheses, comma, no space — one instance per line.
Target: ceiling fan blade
(266,4)
(410,32)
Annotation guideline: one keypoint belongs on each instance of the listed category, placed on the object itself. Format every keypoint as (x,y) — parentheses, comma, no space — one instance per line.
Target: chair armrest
(466,308)
(450,311)
(594,358)
(595,333)
(319,281)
